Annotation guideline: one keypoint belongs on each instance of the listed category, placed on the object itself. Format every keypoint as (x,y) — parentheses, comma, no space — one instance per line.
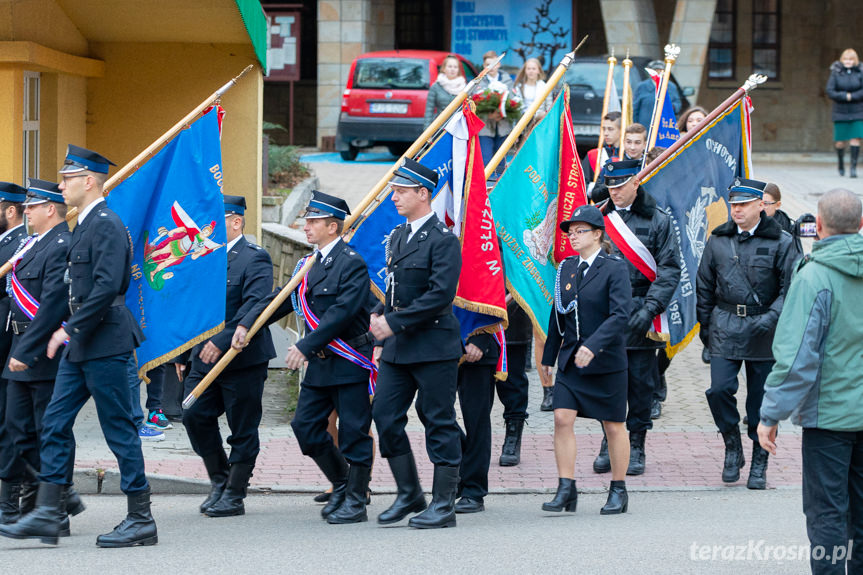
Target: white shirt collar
(325,251)
(86,211)
(418,223)
(622,209)
(590,259)
(9,231)
(752,231)
(233,242)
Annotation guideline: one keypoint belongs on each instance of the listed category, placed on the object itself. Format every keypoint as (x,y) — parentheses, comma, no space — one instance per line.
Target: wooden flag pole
(259,323)
(672,51)
(529,113)
(626,103)
(611,62)
(426,136)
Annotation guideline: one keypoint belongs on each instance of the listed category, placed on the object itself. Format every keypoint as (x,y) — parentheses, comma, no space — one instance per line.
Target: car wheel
(350,154)
(398,149)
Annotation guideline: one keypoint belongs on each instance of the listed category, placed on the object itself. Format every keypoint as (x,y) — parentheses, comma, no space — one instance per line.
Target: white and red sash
(25,301)
(638,255)
(337,346)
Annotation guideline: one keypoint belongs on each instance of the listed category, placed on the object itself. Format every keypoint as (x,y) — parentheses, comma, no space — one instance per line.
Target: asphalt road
(664,532)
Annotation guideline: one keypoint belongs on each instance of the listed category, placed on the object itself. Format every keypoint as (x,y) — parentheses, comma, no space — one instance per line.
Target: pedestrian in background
(816,381)
(644,98)
(497,128)
(691,118)
(772,205)
(845,88)
(529,85)
(447,86)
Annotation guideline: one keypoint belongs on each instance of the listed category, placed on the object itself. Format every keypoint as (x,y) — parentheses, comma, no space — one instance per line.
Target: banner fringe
(153,363)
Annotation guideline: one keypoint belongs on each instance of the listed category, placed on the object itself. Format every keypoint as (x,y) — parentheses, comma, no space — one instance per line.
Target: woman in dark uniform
(586,335)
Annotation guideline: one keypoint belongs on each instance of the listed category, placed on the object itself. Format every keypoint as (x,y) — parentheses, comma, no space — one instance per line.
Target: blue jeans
(489,146)
(154,389)
(106,380)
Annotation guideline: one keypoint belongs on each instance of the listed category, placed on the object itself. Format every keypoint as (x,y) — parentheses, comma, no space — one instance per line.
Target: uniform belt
(118,301)
(19,327)
(741,310)
(355,342)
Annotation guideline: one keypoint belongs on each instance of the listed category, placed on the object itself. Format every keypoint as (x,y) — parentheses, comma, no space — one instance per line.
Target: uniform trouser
(434,385)
(642,375)
(26,402)
(475,395)
(104,379)
(833,499)
(351,402)
(513,392)
(721,397)
(10,466)
(662,362)
(237,394)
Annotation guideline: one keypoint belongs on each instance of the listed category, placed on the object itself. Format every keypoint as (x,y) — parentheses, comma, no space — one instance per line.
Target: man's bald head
(840,212)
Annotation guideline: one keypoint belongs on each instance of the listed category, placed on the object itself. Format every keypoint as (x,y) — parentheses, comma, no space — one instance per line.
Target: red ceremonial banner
(571,192)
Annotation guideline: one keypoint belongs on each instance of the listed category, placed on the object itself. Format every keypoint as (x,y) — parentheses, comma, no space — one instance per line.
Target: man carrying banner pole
(642,234)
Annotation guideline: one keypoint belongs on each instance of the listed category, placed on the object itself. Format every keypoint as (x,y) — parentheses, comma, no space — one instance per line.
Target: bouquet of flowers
(489,101)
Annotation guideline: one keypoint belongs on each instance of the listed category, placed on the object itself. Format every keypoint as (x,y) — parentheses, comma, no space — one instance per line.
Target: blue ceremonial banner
(174,213)
(524,204)
(692,184)
(667,132)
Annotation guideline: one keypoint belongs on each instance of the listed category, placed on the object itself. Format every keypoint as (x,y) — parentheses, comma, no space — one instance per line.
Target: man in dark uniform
(101,334)
(742,279)
(336,293)
(513,392)
(651,226)
(238,390)
(39,304)
(13,233)
(421,346)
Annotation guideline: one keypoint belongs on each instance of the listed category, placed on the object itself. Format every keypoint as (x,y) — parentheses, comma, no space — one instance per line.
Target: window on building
(765,37)
(722,47)
(420,25)
(31,125)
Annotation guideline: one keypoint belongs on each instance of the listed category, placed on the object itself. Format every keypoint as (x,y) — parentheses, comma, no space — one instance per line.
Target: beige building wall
(631,25)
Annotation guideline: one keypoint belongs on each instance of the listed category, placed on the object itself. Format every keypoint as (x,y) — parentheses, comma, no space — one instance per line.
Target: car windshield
(593,74)
(392,73)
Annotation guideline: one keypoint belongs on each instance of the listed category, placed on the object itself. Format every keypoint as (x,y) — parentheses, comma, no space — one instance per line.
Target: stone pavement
(684,451)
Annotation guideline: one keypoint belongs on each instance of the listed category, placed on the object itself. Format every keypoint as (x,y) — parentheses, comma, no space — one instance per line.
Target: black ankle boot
(332,463)
(409,498)
(217,470)
(231,501)
(29,488)
(353,510)
(636,453)
(855,153)
(840,155)
(441,511)
(10,510)
(45,522)
(565,498)
(618,499)
(734,459)
(547,399)
(511,452)
(138,528)
(74,505)
(758,468)
(602,463)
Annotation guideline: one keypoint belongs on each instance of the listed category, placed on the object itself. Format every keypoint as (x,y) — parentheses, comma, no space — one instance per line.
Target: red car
(385,99)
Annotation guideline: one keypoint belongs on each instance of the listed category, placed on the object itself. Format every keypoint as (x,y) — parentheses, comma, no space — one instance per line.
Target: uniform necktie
(743,236)
(582,268)
(408,233)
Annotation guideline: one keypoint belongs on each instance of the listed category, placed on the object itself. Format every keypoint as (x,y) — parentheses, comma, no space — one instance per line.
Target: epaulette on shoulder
(612,257)
(442,228)
(255,246)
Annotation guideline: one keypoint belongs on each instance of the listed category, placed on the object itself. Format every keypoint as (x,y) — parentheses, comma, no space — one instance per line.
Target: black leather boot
(656,409)
(441,511)
(409,497)
(353,510)
(231,501)
(602,463)
(45,522)
(547,399)
(758,468)
(855,153)
(74,505)
(10,510)
(217,470)
(565,498)
(511,452)
(28,495)
(840,156)
(734,459)
(636,453)
(335,468)
(618,499)
(138,528)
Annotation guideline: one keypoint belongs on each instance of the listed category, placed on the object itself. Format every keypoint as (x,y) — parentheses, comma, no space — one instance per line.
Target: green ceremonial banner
(524,204)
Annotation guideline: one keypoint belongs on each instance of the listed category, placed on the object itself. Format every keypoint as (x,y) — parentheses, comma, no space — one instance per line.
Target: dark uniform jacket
(41,272)
(99,273)
(520,328)
(339,294)
(8,246)
(250,279)
(418,302)
(652,225)
(763,266)
(604,305)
